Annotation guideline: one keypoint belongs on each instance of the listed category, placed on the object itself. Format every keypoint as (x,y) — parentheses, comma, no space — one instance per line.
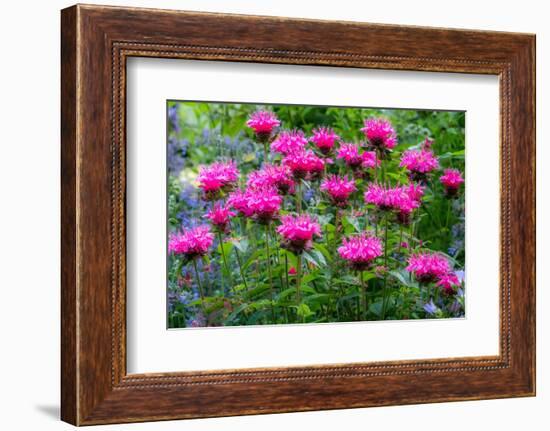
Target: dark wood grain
(96,41)
(69,367)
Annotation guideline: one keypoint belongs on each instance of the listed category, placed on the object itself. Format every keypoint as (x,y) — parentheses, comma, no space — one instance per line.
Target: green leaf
(376,308)
(310,258)
(303,310)
(321,248)
(319,257)
(236,312)
(241,245)
(351,224)
(253,258)
(320,298)
(310,277)
(287,292)
(227,247)
(402,278)
(258,290)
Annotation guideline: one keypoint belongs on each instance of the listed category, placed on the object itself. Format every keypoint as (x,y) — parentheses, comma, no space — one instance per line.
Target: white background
(29,228)
(151,348)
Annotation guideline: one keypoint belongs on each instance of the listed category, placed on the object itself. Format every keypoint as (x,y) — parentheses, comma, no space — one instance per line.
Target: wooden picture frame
(96,41)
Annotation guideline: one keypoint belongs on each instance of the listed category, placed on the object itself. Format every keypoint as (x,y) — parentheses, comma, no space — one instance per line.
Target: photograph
(288,214)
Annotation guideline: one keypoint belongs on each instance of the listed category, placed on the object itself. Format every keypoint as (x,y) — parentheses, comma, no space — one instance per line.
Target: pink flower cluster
(448,282)
(370,160)
(289,142)
(324,138)
(261,204)
(380,133)
(360,251)
(220,216)
(338,188)
(451,180)
(304,164)
(279,176)
(216,177)
(263,123)
(353,158)
(192,243)
(419,161)
(403,199)
(432,267)
(297,232)
(350,154)
(428,267)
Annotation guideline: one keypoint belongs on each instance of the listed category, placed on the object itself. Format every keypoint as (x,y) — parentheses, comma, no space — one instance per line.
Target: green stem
(230,278)
(269,270)
(447,219)
(266,152)
(243,226)
(206,280)
(333,265)
(336,236)
(178,269)
(298,277)
(201,292)
(299,196)
(241,268)
(363,294)
(385,291)
(286,271)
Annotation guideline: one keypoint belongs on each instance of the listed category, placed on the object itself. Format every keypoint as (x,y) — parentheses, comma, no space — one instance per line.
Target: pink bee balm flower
(317,167)
(448,282)
(263,123)
(403,199)
(415,191)
(380,133)
(216,177)
(288,142)
(370,160)
(385,198)
(338,188)
(324,138)
(360,251)
(292,271)
(219,216)
(419,162)
(350,154)
(264,204)
(451,180)
(304,163)
(298,232)
(261,204)
(192,243)
(407,201)
(428,267)
(238,200)
(278,176)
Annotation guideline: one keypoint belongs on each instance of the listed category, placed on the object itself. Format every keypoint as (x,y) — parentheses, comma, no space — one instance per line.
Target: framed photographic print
(259,216)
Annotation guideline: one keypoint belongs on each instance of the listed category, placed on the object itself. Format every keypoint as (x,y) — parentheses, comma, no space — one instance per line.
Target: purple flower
(173,116)
(430,307)
(176,153)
